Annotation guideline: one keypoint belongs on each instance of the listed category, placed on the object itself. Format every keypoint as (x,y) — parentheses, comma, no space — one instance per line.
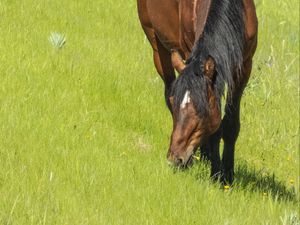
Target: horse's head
(195,111)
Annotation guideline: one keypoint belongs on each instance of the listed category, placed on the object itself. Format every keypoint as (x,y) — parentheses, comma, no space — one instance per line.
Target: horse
(210,43)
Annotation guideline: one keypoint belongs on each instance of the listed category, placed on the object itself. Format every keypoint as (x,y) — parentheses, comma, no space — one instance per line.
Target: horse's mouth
(187,161)
(189,156)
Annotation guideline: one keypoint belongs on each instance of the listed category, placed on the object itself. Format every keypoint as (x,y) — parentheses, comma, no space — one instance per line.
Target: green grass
(84,129)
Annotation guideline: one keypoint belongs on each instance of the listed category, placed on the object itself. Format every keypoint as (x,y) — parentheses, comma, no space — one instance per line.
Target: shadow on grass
(256,181)
(250,179)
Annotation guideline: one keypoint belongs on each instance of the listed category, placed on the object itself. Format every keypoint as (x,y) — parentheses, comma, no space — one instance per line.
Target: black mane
(223,40)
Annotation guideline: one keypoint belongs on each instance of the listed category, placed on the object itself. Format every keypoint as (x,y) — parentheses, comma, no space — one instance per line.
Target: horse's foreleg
(231,120)
(163,65)
(231,123)
(205,150)
(161,55)
(231,128)
(215,160)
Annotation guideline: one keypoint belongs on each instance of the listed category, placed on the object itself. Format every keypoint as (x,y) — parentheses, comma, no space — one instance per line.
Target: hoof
(227,177)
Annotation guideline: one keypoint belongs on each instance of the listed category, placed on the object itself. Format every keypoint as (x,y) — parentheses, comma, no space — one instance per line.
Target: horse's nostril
(179,161)
(175,160)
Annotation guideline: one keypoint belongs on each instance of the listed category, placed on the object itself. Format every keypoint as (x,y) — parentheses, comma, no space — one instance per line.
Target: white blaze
(186,99)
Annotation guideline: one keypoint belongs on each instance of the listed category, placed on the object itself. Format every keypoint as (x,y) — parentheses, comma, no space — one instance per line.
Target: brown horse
(211,44)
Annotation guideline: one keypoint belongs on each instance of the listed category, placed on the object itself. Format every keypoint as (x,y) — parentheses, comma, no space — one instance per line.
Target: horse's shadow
(267,184)
(257,181)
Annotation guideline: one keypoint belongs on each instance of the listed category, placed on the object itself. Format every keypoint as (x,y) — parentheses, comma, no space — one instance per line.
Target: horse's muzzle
(181,160)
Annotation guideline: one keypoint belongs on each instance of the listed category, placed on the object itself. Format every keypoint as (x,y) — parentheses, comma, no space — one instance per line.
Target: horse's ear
(209,67)
(177,61)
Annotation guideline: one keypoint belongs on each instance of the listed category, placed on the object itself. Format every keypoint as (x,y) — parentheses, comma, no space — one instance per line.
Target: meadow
(84,129)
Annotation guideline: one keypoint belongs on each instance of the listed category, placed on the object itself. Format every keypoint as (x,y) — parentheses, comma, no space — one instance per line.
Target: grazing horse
(210,43)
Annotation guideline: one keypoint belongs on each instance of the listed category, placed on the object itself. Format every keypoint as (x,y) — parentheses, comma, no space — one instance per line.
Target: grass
(84,129)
